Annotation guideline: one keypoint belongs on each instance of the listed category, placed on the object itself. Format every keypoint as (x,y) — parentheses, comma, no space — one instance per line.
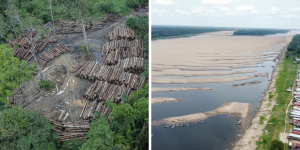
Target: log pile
(119,33)
(18,98)
(24,50)
(111,74)
(22,53)
(70,130)
(52,53)
(76,27)
(40,45)
(90,107)
(116,74)
(133,64)
(134,48)
(103,91)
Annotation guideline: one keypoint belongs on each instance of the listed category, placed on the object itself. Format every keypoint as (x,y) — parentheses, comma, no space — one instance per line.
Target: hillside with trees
(31,85)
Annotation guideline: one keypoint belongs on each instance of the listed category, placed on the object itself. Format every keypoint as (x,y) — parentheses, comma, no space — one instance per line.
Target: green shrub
(261,119)
(45,16)
(132,3)
(106,7)
(277,145)
(131,22)
(46,85)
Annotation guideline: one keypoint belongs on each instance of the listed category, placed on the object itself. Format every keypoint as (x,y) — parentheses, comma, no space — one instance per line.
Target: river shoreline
(251,135)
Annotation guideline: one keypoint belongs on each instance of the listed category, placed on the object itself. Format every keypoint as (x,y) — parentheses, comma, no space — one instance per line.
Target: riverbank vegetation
(161,32)
(276,123)
(294,46)
(259,32)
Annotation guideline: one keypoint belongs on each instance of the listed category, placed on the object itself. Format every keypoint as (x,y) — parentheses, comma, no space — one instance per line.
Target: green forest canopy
(294,46)
(159,32)
(258,32)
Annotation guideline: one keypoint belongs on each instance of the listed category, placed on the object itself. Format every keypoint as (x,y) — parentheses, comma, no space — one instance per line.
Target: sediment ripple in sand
(180,89)
(165,100)
(212,80)
(193,73)
(242,110)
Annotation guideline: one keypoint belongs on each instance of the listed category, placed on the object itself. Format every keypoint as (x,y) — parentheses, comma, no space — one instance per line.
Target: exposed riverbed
(218,62)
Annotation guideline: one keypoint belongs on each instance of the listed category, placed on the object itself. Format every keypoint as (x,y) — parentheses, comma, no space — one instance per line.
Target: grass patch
(270,95)
(262,119)
(46,84)
(83,48)
(276,123)
(269,104)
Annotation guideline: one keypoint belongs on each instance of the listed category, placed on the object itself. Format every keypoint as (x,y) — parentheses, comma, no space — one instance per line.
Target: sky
(284,14)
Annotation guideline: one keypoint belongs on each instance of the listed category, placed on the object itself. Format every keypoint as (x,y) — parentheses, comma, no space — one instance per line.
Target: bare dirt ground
(66,101)
(241,110)
(179,89)
(165,100)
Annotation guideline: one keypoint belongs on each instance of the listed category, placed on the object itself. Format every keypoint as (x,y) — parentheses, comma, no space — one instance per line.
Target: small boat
(202,121)
(239,122)
(173,126)
(168,126)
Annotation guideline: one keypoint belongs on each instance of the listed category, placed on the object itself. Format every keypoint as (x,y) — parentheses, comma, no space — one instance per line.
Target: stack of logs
(116,74)
(102,91)
(90,107)
(52,53)
(111,74)
(24,50)
(119,33)
(19,99)
(76,27)
(132,64)
(70,130)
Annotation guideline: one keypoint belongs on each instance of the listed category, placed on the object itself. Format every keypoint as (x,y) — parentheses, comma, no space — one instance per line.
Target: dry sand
(208,80)
(165,100)
(193,73)
(242,110)
(217,51)
(179,89)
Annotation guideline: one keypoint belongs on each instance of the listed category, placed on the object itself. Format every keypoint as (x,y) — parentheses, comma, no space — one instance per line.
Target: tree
(12,72)
(52,17)
(25,130)
(30,28)
(84,12)
(100,136)
(277,145)
(129,121)
(33,31)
